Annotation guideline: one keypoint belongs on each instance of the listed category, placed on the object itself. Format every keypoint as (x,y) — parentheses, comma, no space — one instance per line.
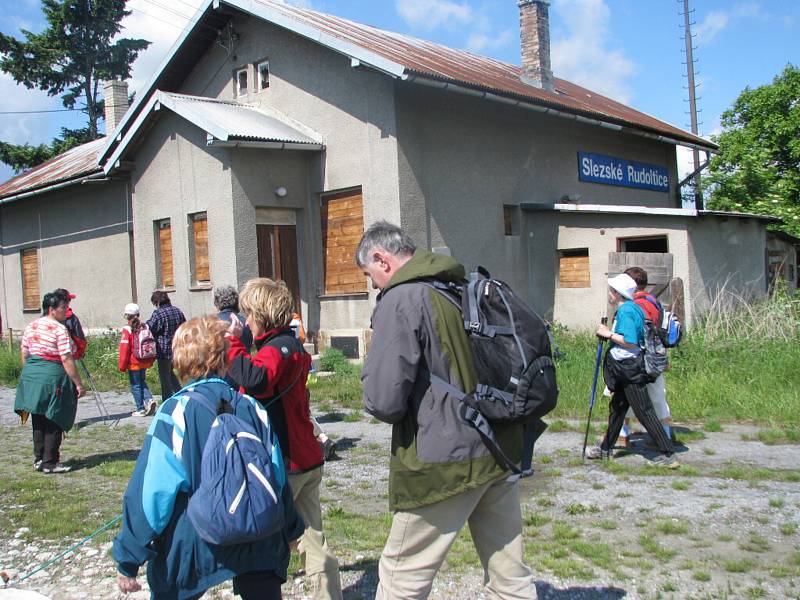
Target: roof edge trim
(622,209)
(52,186)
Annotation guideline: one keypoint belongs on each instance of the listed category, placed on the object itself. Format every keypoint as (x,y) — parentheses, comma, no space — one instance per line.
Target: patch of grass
(740,565)
(749,473)
(755,543)
(681,485)
(558,426)
(652,547)
(545,502)
(713,427)
(689,436)
(545,459)
(606,524)
(755,592)
(669,586)
(777,502)
(353,417)
(537,520)
(701,576)
(337,391)
(725,537)
(774,435)
(563,531)
(788,528)
(579,509)
(709,451)
(715,506)
(672,527)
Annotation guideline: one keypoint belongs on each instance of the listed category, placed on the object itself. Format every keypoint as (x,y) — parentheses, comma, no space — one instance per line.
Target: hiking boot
(526,473)
(666,460)
(596,452)
(58,468)
(139,413)
(151,408)
(328,449)
(37,465)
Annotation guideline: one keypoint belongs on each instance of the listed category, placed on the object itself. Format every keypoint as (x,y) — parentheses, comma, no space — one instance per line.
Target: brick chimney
(115,94)
(534,29)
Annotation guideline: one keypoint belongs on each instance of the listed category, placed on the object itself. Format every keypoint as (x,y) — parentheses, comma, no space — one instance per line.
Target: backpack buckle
(474,326)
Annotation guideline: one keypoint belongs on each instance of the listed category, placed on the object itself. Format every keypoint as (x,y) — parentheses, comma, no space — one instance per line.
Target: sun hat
(131,309)
(624,284)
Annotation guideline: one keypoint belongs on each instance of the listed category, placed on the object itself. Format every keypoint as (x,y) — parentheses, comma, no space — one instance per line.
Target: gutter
(57,186)
(461,89)
(263,145)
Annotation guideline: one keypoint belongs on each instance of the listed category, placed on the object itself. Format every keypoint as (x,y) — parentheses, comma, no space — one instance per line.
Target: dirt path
(725,525)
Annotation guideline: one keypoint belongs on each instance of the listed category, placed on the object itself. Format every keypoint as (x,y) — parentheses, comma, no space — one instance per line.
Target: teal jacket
(435,453)
(44,388)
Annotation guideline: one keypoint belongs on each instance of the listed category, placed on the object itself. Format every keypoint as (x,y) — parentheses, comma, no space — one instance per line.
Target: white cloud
(718,21)
(584,53)
(430,14)
(481,42)
(711,26)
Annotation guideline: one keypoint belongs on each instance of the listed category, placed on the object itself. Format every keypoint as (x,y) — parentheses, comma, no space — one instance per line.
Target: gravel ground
(726,521)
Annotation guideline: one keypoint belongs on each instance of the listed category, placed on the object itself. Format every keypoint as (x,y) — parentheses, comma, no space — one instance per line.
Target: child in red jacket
(136,367)
(276,376)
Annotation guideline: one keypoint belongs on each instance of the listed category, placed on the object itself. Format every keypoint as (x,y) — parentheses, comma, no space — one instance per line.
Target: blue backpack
(239,499)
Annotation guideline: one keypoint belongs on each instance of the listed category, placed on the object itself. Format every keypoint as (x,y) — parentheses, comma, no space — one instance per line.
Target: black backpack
(512,356)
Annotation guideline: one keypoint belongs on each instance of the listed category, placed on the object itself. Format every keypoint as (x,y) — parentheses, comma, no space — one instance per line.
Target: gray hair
(387,237)
(226,298)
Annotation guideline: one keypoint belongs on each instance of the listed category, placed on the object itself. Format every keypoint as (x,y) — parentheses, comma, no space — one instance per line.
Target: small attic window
(241,82)
(262,69)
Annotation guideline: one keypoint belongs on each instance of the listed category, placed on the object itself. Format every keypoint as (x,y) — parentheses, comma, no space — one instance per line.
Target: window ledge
(200,287)
(32,310)
(334,296)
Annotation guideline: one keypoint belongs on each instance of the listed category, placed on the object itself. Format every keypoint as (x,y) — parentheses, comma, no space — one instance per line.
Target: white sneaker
(59,468)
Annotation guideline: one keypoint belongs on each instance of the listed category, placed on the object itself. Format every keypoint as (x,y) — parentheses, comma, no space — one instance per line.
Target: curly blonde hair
(200,349)
(269,303)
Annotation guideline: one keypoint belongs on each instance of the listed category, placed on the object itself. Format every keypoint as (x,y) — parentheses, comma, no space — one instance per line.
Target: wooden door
(277,256)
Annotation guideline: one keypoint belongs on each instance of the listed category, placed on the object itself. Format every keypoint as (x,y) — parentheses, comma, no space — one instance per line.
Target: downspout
(3,268)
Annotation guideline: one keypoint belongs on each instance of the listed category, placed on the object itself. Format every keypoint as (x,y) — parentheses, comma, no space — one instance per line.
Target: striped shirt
(47,339)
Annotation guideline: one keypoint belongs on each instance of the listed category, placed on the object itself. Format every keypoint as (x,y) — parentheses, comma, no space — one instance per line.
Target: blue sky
(630,50)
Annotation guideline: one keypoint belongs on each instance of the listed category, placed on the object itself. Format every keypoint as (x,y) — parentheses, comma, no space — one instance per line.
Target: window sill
(343,295)
(32,310)
(200,287)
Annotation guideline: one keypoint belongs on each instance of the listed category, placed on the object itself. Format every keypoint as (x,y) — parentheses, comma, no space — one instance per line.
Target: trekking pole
(101,407)
(600,343)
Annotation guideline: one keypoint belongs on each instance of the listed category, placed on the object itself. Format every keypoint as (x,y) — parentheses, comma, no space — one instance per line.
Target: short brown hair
(639,275)
(199,348)
(267,302)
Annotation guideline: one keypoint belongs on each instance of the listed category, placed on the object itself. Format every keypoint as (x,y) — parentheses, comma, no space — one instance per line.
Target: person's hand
(603,332)
(79,390)
(127,584)
(235,328)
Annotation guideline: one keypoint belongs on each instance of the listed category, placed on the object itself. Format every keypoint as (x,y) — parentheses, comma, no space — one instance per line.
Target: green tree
(69,58)
(758,166)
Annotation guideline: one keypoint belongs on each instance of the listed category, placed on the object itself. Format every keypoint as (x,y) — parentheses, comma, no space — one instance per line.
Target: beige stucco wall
(462,158)
(177,175)
(726,254)
(351,110)
(82,236)
(706,252)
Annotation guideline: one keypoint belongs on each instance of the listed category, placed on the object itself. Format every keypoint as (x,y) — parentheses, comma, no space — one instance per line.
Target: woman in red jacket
(276,376)
(136,367)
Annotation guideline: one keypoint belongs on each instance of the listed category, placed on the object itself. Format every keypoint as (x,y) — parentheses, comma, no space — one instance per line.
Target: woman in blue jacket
(156,528)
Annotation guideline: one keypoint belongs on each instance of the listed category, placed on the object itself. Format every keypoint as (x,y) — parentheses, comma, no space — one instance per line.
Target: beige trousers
(322,567)
(420,539)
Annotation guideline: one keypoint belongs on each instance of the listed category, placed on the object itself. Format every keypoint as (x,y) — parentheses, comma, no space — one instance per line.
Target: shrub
(333,359)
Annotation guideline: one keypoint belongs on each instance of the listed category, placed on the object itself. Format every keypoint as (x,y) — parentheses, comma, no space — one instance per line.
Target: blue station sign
(597,168)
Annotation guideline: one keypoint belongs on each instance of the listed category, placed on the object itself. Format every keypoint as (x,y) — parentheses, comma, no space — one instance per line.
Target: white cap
(131,309)
(624,284)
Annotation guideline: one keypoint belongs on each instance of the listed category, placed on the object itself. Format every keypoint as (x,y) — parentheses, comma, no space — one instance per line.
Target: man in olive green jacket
(441,475)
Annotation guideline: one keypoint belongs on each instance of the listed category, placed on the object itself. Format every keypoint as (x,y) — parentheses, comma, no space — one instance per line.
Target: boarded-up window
(164,259)
(199,248)
(573,268)
(511,220)
(342,228)
(30,279)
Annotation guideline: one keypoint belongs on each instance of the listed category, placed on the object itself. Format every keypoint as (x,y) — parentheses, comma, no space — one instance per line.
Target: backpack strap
(479,423)
(283,392)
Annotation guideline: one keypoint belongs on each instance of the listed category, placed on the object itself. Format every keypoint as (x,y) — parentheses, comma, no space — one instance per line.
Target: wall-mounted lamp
(281,191)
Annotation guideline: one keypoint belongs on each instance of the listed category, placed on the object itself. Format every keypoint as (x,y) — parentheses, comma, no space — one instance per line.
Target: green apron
(45,389)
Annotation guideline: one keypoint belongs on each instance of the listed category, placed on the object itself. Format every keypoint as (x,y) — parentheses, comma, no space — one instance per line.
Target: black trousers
(47,438)
(166,377)
(256,585)
(634,395)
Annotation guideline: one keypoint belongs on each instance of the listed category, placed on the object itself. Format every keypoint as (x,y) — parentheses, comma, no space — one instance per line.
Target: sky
(630,50)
